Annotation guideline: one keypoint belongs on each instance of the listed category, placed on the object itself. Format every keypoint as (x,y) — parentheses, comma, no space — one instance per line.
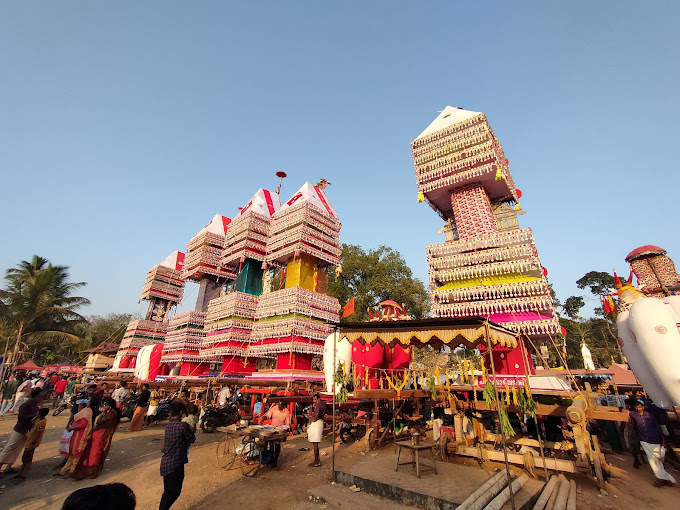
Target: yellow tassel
(499,175)
(421,197)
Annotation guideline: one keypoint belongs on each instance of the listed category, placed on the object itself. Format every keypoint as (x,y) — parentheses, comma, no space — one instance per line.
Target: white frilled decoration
(298,301)
(184,337)
(246,238)
(164,283)
(304,228)
(140,333)
(228,325)
(482,242)
(492,291)
(434,332)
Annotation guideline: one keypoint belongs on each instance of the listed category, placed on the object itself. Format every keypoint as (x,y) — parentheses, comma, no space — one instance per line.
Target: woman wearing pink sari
(97,449)
(81,426)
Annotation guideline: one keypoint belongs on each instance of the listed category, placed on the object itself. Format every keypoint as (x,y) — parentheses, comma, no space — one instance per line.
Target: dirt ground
(134,460)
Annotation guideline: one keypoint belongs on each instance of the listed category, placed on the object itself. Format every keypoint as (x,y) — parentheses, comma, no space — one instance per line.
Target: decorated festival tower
(291,324)
(203,266)
(488,266)
(229,318)
(163,289)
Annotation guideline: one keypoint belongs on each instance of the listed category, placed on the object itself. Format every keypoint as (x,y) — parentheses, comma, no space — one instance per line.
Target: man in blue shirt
(178,436)
(652,442)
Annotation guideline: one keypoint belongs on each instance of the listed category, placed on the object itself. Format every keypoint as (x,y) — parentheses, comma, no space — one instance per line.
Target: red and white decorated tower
(163,289)
(203,266)
(292,323)
(488,266)
(229,318)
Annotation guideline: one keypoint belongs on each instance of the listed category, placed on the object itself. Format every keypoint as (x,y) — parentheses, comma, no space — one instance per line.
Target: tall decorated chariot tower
(488,266)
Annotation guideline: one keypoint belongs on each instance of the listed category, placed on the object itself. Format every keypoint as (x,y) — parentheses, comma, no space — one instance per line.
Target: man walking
(8,393)
(59,390)
(178,436)
(120,394)
(16,441)
(652,442)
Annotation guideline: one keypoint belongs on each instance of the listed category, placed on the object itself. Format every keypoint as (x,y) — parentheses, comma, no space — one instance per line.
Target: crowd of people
(96,413)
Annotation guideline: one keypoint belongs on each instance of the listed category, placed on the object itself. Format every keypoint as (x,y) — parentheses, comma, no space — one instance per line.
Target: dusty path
(134,460)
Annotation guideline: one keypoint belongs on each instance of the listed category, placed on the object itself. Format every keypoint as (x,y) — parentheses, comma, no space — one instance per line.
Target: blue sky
(125,126)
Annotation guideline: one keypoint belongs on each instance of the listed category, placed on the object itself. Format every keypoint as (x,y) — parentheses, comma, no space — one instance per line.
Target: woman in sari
(81,427)
(97,449)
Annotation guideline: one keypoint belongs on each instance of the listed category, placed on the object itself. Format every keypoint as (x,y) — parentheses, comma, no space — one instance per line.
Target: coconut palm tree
(37,304)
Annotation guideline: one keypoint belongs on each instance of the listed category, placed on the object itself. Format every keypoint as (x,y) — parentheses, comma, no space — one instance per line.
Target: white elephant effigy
(649,338)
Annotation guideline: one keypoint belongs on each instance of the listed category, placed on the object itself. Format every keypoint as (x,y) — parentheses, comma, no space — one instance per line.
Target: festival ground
(134,460)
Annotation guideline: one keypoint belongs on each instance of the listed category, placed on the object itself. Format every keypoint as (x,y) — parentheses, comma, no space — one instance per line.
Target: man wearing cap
(652,442)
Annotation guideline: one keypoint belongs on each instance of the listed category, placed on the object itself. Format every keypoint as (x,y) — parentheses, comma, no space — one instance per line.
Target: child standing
(192,416)
(32,442)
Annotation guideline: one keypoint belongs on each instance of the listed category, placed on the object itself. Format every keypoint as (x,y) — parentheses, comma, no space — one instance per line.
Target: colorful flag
(348,309)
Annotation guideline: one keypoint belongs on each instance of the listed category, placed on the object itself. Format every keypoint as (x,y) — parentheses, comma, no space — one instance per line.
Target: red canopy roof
(642,251)
(28,365)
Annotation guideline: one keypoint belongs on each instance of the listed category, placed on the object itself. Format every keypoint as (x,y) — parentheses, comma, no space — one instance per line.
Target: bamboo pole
(483,489)
(525,362)
(335,346)
(492,491)
(546,493)
(500,500)
(498,409)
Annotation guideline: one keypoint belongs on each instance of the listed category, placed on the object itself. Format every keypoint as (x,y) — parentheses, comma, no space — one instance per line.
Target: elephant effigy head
(627,293)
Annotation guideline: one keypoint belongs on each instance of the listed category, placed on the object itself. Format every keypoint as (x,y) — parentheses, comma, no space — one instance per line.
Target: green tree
(38,306)
(599,283)
(597,332)
(376,275)
(97,330)
(572,305)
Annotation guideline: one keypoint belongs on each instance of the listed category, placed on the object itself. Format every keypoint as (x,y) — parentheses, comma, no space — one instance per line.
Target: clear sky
(125,126)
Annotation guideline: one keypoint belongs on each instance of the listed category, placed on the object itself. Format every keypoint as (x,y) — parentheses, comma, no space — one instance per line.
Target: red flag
(348,309)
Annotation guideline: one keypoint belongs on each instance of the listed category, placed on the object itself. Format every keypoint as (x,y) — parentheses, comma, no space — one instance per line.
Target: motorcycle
(163,410)
(64,404)
(215,416)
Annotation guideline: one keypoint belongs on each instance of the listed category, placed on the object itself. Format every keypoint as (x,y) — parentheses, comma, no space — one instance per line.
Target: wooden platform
(375,474)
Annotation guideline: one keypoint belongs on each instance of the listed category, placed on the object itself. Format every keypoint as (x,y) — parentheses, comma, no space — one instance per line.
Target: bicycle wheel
(251,459)
(226,453)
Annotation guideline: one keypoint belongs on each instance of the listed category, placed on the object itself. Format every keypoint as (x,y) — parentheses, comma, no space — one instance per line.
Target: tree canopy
(37,306)
(376,275)
(597,332)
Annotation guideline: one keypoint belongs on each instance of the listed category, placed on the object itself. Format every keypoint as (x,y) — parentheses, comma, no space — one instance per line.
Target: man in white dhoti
(652,442)
(315,426)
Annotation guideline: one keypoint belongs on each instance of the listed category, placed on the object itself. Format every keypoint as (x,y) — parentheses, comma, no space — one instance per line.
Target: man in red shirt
(53,379)
(59,390)
(102,392)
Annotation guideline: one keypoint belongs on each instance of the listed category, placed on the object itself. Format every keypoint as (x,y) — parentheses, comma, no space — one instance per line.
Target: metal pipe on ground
(505,494)
(483,489)
(491,493)
(547,492)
